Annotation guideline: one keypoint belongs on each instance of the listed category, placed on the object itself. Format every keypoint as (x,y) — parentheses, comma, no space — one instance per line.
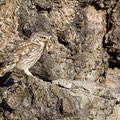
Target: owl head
(41,37)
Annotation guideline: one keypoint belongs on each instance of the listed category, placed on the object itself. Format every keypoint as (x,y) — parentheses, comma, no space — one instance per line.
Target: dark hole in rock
(9,82)
(26,32)
(39,9)
(4,79)
(5,106)
(113,64)
(61,107)
(97,6)
(108,21)
(117,102)
(62,42)
(45,76)
(62,38)
(113,61)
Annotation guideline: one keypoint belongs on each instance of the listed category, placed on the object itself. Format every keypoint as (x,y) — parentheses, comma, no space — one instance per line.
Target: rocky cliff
(79,76)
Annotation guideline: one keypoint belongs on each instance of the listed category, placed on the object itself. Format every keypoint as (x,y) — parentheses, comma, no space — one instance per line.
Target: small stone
(63,83)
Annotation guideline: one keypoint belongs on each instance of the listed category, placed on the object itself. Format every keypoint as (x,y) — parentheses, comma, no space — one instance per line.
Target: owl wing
(12,58)
(20,52)
(9,64)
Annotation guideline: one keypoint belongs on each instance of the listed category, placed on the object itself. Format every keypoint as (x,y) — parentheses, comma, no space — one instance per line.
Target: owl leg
(27,72)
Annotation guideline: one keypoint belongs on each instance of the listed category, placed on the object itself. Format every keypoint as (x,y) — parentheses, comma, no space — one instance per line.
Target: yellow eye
(43,37)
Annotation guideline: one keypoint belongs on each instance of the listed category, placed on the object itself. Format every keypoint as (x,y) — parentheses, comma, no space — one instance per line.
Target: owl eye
(43,37)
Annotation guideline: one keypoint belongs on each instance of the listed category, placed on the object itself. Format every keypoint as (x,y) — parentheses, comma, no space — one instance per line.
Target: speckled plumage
(26,54)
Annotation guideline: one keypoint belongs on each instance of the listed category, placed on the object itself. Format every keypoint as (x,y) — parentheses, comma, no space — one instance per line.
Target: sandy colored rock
(78,77)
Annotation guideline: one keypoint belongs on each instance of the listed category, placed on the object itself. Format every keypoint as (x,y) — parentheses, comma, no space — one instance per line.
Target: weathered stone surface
(78,78)
(41,100)
(112,37)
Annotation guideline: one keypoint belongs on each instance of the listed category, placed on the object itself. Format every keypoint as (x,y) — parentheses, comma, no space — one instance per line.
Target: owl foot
(33,77)
(27,72)
(30,75)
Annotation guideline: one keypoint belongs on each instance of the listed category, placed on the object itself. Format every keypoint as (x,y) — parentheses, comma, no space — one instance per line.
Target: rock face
(78,77)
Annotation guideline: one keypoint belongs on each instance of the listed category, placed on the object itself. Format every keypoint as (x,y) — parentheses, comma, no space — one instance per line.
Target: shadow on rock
(5,81)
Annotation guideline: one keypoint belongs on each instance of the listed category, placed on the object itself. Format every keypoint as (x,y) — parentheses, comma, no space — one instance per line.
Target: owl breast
(29,55)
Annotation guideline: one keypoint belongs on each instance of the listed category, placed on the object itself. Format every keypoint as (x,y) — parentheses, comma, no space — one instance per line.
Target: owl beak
(47,43)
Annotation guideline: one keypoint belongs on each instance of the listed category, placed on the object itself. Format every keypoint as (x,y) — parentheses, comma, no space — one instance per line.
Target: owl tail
(4,68)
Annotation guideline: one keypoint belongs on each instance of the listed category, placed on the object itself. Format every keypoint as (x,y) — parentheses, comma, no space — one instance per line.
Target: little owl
(26,54)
